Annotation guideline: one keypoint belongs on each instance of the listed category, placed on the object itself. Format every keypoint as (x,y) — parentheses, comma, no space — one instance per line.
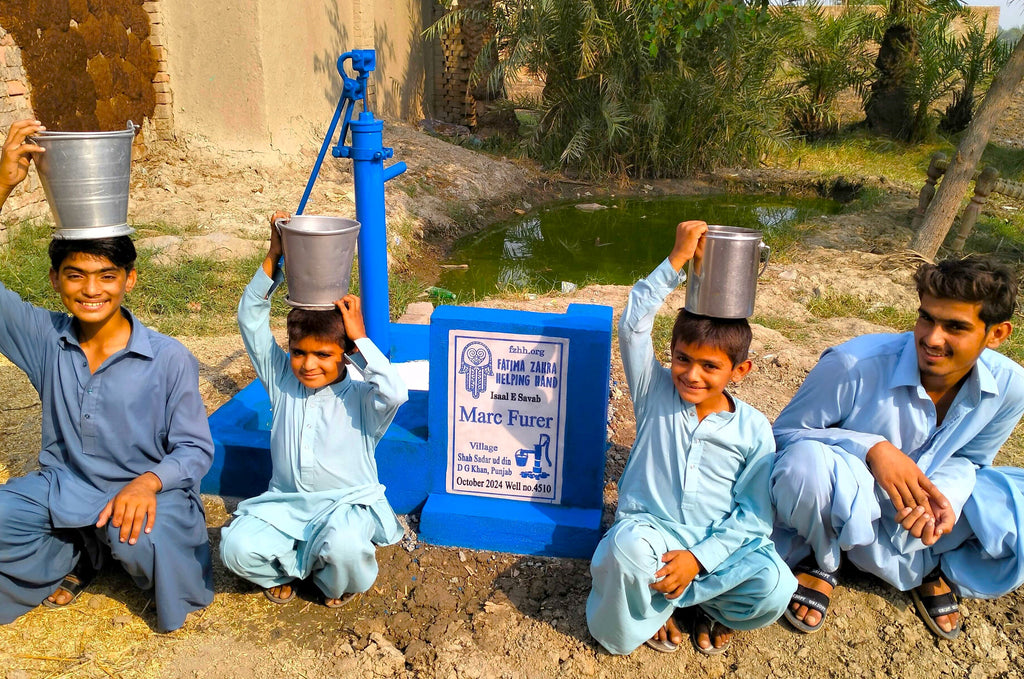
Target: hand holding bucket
(318,253)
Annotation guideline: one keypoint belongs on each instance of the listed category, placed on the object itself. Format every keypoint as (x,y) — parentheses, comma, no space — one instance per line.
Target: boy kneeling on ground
(125,439)
(694,515)
(325,509)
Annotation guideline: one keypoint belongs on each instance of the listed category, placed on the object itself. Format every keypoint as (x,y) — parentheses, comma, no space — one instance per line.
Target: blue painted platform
(510,526)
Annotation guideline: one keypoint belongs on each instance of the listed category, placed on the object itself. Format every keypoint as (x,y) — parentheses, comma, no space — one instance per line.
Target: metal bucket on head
(722,283)
(85,176)
(318,254)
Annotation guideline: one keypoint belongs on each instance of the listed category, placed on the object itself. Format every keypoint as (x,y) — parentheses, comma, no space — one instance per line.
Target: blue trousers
(339,556)
(173,560)
(828,504)
(623,611)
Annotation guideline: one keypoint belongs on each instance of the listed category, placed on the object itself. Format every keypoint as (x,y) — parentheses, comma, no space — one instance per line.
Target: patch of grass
(860,153)
(160,228)
(1002,237)
(661,335)
(25,266)
(786,242)
(845,305)
(787,327)
(868,198)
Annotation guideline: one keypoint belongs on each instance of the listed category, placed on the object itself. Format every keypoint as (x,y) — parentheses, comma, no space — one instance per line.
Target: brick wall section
(28,199)
(162,122)
(453,95)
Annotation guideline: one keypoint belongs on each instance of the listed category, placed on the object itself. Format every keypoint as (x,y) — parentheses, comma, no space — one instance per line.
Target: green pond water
(618,245)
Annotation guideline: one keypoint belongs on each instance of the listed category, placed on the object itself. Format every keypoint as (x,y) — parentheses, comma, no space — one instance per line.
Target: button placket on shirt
(694,451)
(310,411)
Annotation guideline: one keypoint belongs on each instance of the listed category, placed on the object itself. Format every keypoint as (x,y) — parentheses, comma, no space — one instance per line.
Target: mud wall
(90,63)
(261,74)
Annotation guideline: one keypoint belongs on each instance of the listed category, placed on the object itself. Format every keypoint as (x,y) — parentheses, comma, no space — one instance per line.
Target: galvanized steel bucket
(318,253)
(85,176)
(722,283)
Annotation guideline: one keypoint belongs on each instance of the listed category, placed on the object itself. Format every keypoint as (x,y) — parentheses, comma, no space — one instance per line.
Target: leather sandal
(931,607)
(280,599)
(74,583)
(811,598)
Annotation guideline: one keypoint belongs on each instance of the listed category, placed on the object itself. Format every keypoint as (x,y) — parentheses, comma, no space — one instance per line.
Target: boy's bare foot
(668,638)
(280,594)
(808,615)
(710,636)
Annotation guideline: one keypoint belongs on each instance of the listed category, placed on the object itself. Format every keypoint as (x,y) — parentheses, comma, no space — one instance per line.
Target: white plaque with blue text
(506,415)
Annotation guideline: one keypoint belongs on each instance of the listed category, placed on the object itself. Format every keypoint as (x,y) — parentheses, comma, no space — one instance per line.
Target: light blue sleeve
(22,327)
(822,404)
(982,449)
(388,391)
(638,358)
(752,515)
(267,357)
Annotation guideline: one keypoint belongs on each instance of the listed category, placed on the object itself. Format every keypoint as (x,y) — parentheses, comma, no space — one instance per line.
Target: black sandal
(931,607)
(811,598)
(74,583)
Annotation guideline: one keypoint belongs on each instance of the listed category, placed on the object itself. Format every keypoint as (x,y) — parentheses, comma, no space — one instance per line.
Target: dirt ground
(454,613)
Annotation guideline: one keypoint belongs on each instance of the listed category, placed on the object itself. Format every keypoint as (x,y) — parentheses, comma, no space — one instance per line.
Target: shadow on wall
(327,61)
(407,90)
(402,94)
(90,67)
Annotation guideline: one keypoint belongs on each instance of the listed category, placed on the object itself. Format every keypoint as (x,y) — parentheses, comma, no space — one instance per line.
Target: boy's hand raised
(680,568)
(16,154)
(351,310)
(134,508)
(275,250)
(689,243)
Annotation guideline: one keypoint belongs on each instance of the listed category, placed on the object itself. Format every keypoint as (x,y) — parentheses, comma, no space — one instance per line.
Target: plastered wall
(261,74)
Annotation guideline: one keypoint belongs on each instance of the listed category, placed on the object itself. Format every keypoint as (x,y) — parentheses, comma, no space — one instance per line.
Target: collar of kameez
(138,341)
(907,374)
(334,390)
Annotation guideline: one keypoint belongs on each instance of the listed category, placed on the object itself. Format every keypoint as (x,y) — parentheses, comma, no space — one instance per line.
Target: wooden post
(928,190)
(982,188)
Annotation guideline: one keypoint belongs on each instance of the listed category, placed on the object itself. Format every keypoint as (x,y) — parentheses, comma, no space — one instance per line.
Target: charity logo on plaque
(506,399)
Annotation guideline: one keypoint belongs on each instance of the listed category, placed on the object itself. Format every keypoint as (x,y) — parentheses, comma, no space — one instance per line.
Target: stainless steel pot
(318,253)
(85,176)
(722,283)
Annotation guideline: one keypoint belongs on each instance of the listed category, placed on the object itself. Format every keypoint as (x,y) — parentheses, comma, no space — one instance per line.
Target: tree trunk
(943,208)
(888,108)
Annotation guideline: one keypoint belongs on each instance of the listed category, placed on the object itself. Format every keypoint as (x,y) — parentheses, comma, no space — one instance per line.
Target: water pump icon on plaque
(506,415)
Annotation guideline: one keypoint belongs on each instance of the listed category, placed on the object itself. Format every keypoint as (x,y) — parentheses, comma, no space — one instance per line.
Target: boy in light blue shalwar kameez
(325,509)
(694,514)
(885,455)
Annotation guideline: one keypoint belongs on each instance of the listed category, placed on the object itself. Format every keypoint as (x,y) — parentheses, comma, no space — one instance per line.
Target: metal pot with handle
(722,283)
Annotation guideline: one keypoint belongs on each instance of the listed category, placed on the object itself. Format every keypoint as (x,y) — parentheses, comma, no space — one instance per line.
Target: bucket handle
(767,253)
(279,221)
